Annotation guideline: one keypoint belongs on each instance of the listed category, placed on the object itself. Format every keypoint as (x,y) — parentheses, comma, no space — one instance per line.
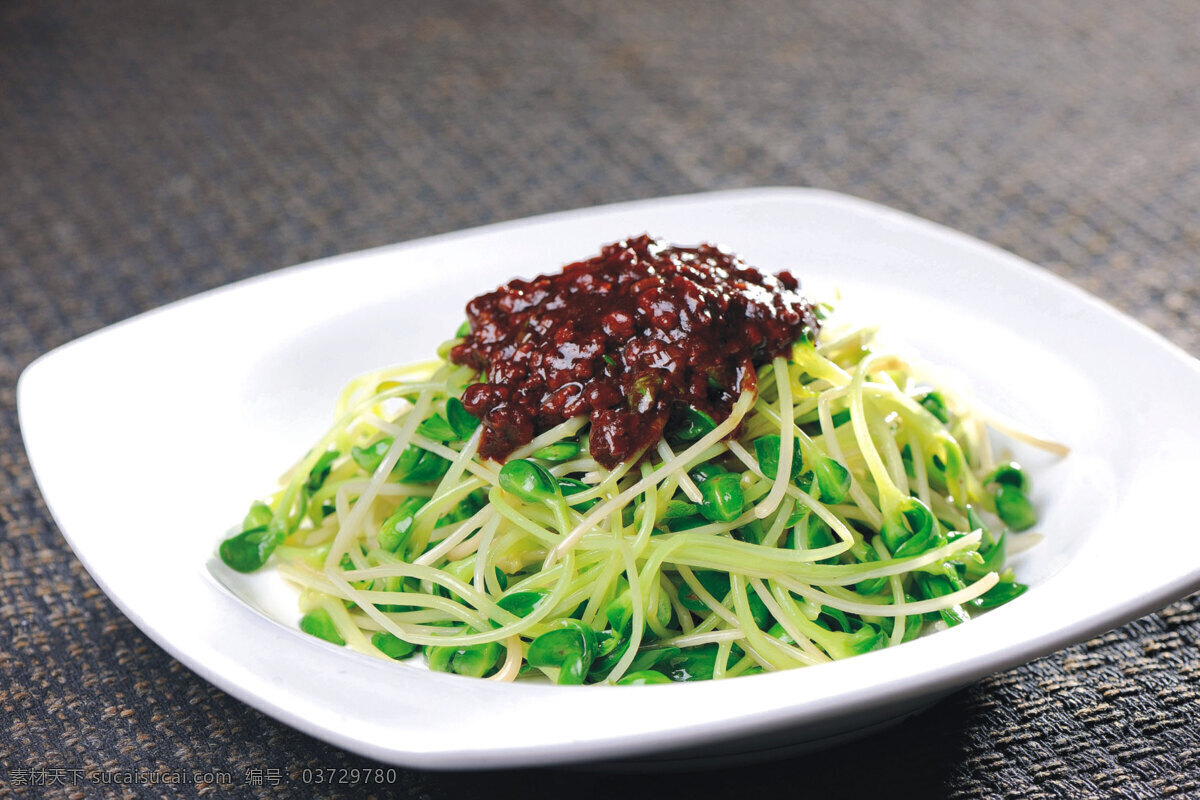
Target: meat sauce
(631,338)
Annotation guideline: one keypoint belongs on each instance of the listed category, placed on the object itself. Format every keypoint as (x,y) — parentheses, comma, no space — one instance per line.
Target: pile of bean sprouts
(846,504)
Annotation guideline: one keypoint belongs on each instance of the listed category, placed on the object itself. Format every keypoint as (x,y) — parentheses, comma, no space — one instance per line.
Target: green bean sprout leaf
(805,483)
(392,646)
(676,509)
(871,585)
(754,532)
(394,532)
(1009,474)
(259,516)
(779,633)
(695,424)
(935,404)
(558,452)
(798,514)
(686,523)
(975,523)
(570,649)
(429,467)
(320,471)
(643,678)
(320,624)
(834,619)
(284,525)
(934,586)
(869,637)
(619,613)
(913,519)
(692,663)
(953,466)
(913,624)
(438,658)
(249,550)
(475,661)
(573,670)
(415,465)
(927,538)
(522,604)
(766,450)
(1000,594)
(647,659)
(817,533)
(371,456)
(833,480)
(463,330)
(906,458)
(610,649)
(1014,508)
(528,481)
(409,459)
(715,583)
(990,558)
(840,644)
(722,499)
(758,610)
(462,421)
(708,469)
(438,429)
(571,486)
(607,643)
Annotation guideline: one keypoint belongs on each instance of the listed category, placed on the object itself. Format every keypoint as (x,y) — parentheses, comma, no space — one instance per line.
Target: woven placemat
(152,150)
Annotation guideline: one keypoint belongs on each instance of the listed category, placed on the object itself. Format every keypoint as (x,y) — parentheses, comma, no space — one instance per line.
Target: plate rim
(957,673)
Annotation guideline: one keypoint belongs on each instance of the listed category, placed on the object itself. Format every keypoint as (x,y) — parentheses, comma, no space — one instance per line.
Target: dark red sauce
(630,338)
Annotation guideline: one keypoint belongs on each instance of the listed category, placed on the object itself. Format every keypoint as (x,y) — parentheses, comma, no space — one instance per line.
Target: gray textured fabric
(149,150)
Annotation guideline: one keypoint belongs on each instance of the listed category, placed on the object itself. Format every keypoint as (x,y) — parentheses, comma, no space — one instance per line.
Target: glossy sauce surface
(630,338)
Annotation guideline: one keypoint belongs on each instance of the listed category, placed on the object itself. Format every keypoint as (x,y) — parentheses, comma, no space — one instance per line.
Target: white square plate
(150,438)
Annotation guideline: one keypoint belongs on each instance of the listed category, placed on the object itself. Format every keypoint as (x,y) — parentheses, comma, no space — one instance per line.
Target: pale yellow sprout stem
(685,482)
(514,656)
(783,473)
(679,463)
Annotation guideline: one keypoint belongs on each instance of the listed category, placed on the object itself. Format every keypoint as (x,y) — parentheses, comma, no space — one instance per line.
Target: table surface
(149,151)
